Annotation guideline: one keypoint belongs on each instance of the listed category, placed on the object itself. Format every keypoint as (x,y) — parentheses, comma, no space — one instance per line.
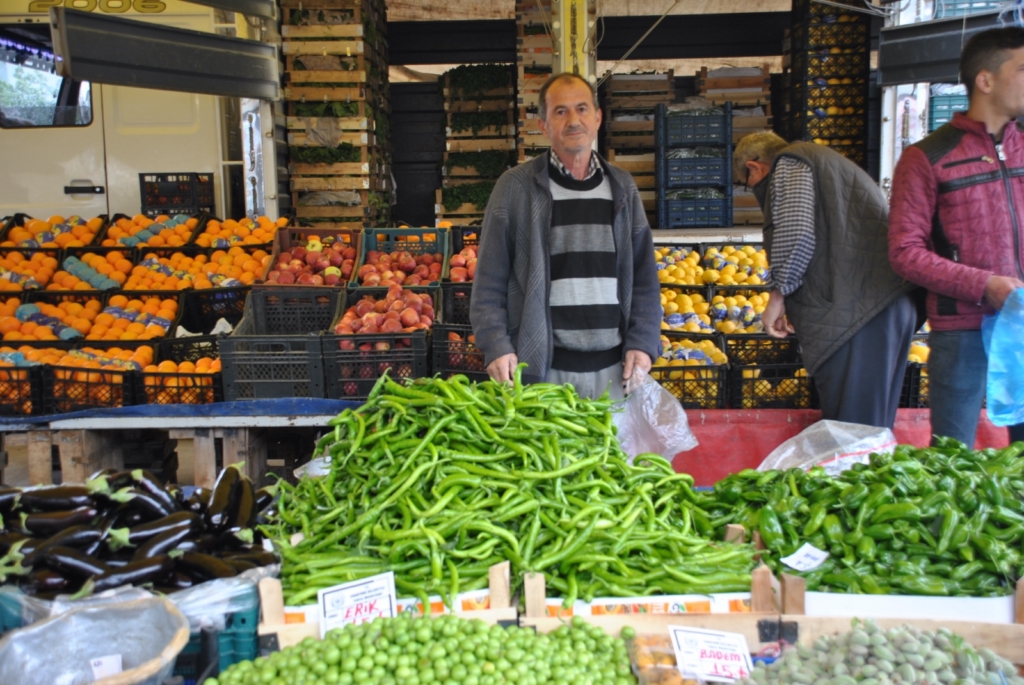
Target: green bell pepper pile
(942,520)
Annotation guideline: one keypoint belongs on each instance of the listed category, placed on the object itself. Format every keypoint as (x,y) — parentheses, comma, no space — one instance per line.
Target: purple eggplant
(150,507)
(135,573)
(45,580)
(71,563)
(148,483)
(53,522)
(59,498)
(9,499)
(203,567)
(163,543)
(82,538)
(224,500)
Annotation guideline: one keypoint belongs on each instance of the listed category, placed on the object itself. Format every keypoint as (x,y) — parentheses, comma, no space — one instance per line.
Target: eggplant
(163,543)
(257,558)
(45,580)
(245,510)
(135,573)
(203,567)
(81,538)
(72,563)
(53,522)
(235,538)
(110,480)
(198,501)
(143,533)
(177,581)
(265,497)
(239,565)
(203,543)
(9,498)
(150,507)
(224,500)
(59,498)
(102,473)
(7,540)
(148,483)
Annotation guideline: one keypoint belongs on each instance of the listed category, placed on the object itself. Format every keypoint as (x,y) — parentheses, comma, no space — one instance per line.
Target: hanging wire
(636,45)
(1015,8)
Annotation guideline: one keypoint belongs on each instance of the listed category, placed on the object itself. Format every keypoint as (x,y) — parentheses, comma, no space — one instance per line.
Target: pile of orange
(37,266)
(114,265)
(228,233)
(124,229)
(73,314)
(55,232)
(200,271)
(133,319)
(184,383)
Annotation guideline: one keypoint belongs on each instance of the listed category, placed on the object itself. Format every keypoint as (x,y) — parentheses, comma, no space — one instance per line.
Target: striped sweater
(585,313)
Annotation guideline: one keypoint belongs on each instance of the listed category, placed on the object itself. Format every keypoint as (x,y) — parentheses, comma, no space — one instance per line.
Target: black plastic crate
(779,386)
(187,349)
(819,94)
(21,390)
(353,363)
(203,308)
(455,303)
(74,388)
(853,126)
(464,236)
(293,310)
(453,353)
(685,130)
(695,213)
(821,33)
(761,349)
(20,219)
(178,388)
(695,171)
(696,387)
(827,64)
(175,190)
(915,386)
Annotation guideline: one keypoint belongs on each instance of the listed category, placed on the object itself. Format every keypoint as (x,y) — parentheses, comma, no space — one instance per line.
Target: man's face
(572,120)
(1008,85)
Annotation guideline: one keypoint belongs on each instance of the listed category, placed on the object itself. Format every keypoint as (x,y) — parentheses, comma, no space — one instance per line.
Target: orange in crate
(93,271)
(55,232)
(141,231)
(228,233)
(223,269)
(185,383)
(28,270)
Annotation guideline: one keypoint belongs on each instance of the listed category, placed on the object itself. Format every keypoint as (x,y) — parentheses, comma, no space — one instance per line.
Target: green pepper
(729,490)
(889,512)
(880,494)
(872,586)
(853,496)
(965,571)
(930,506)
(866,548)
(879,531)
(889,558)
(771,530)
(842,579)
(925,585)
(950,522)
(853,537)
(991,490)
(833,529)
(966,499)
(816,519)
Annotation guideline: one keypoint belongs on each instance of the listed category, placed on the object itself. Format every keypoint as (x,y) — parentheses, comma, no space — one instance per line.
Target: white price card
(711,655)
(357,602)
(807,558)
(105,666)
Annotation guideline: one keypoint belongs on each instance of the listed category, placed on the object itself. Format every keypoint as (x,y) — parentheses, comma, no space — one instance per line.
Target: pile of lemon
(678,266)
(686,312)
(689,360)
(760,393)
(738,313)
(919,352)
(731,265)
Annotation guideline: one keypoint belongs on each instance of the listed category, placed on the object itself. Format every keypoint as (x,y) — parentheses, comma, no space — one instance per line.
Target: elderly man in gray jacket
(566,281)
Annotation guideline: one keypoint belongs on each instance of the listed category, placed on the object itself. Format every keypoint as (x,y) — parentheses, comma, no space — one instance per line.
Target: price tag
(711,655)
(105,666)
(807,558)
(357,602)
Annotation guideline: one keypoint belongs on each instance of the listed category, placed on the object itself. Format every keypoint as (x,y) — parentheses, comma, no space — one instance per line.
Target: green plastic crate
(10,613)
(425,240)
(237,642)
(941,108)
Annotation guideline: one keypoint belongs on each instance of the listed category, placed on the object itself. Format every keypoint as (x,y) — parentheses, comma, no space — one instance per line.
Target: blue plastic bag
(1004,344)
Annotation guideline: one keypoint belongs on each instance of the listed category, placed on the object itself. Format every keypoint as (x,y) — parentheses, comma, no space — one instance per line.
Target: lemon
(751,373)
(710,276)
(670,307)
(726,327)
(730,302)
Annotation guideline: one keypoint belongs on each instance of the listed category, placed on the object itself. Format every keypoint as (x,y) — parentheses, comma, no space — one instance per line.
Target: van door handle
(83,190)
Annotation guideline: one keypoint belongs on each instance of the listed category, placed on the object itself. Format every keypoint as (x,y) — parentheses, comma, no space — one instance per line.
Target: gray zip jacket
(509,308)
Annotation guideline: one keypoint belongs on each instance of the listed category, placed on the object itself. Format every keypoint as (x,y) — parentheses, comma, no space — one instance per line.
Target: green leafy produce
(868,654)
(477,194)
(326,109)
(344,153)
(440,479)
(446,649)
(491,163)
(473,80)
(942,520)
(477,121)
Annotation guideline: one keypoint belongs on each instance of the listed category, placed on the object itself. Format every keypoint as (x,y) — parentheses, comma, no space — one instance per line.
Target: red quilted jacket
(954,218)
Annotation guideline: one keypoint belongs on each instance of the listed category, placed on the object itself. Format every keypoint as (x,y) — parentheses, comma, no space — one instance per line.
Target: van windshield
(31,93)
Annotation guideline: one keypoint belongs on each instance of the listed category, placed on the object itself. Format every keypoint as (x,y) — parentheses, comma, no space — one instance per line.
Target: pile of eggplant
(128,528)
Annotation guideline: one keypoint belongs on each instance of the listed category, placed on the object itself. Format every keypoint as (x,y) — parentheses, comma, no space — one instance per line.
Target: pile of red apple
(463,357)
(401,311)
(314,264)
(463,265)
(399,268)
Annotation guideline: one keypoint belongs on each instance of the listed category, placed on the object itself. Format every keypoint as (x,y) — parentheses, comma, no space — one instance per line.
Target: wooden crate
(639,101)
(628,85)
(479,144)
(340,169)
(305,184)
(468,172)
(335,62)
(531,79)
(479,105)
(368,155)
(332,16)
(629,134)
(506,131)
(356,138)
(639,166)
(528,153)
(336,31)
(354,77)
(465,210)
(535,59)
(705,84)
(450,93)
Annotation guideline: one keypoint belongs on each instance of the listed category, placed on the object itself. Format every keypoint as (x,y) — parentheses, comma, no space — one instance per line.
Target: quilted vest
(848,280)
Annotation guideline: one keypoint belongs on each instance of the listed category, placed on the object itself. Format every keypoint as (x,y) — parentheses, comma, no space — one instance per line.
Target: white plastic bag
(833,445)
(652,420)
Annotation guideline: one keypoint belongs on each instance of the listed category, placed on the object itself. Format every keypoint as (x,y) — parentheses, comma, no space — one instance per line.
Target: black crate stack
(827,60)
(336,87)
(176,193)
(480,133)
(534,64)
(693,161)
(628,103)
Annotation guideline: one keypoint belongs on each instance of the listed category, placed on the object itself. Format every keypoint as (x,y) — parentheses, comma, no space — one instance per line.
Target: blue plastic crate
(683,130)
(237,642)
(695,213)
(696,171)
(942,107)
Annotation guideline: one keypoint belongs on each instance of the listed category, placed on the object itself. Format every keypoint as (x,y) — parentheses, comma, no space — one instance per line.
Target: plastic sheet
(833,445)
(1002,334)
(652,420)
(147,633)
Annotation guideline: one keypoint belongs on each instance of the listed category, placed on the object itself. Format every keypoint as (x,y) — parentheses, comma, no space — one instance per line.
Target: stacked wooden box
(336,89)
(534,63)
(480,132)
(628,105)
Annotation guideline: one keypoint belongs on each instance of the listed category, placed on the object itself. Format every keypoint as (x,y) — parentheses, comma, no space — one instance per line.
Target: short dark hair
(564,76)
(986,51)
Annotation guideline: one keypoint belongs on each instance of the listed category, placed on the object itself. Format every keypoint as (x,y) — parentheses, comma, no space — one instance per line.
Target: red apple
(471,268)
(306,279)
(409,316)
(321,264)
(371,280)
(335,258)
(286,278)
(272,276)
(458,261)
(364,306)
(391,326)
(459,274)
(318,279)
(312,257)
(349,253)
(298,253)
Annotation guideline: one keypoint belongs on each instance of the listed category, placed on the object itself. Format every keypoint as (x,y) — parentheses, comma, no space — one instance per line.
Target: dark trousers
(957,377)
(862,380)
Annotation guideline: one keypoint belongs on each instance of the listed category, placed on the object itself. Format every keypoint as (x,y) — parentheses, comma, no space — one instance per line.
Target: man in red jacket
(955,225)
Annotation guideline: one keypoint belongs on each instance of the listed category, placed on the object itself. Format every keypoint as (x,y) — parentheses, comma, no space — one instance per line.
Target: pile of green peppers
(943,520)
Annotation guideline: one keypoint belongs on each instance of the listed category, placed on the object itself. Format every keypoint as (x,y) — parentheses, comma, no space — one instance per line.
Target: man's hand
(503,368)
(774,316)
(998,288)
(635,359)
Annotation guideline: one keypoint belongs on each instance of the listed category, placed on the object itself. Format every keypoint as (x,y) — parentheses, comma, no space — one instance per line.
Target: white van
(73,148)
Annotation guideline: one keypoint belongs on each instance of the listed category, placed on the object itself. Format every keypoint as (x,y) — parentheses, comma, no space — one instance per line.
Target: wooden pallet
(467,172)
(305,184)
(629,134)
(479,106)
(334,16)
(479,144)
(294,123)
(705,84)
(639,101)
(355,138)
(508,130)
(619,85)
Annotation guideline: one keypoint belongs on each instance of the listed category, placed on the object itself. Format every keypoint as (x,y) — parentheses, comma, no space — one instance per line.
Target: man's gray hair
(542,105)
(757,147)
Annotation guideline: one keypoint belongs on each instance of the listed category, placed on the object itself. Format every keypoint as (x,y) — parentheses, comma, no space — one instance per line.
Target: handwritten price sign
(357,602)
(711,655)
